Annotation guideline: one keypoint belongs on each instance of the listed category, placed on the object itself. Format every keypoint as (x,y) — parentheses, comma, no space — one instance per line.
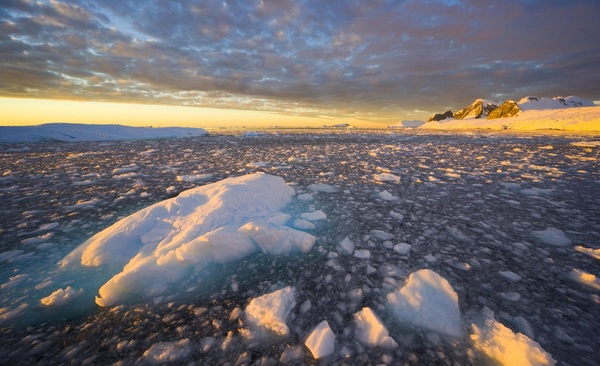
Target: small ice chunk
(362,254)
(552,236)
(506,347)
(594,253)
(381,235)
(305,307)
(257,164)
(396,215)
(510,296)
(356,295)
(402,248)
(7,315)
(430,258)
(291,353)
(523,326)
(386,177)
(314,216)
(10,254)
(511,276)
(321,340)
(347,245)
(427,300)
(163,352)
(270,311)
(15,281)
(322,187)
(371,331)
(585,278)
(193,177)
(305,197)
(303,224)
(387,196)
(60,297)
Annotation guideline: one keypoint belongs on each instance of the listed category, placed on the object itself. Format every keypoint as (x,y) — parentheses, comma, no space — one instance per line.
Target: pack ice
(169,241)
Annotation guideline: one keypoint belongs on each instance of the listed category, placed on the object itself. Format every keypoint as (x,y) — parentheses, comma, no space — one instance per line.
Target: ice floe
(505,347)
(371,331)
(216,223)
(168,352)
(321,340)
(552,236)
(585,278)
(61,296)
(271,311)
(427,301)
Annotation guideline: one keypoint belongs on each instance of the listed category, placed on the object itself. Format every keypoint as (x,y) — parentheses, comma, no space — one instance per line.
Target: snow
(552,236)
(165,352)
(581,119)
(73,132)
(427,301)
(371,331)
(61,296)
(216,223)
(321,340)
(505,347)
(271,311)
(529,103)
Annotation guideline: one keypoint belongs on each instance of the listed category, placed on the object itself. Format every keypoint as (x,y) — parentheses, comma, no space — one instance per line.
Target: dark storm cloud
(376,58)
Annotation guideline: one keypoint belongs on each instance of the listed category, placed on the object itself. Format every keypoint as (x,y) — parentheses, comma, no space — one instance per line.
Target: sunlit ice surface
(505,227)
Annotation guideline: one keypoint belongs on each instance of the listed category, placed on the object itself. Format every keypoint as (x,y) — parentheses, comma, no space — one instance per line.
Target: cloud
(375,59)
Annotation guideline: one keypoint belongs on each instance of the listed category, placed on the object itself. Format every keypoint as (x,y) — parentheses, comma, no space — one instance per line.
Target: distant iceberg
(74,132)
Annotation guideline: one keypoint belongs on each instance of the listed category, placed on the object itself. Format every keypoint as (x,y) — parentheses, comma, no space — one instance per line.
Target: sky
(284,62)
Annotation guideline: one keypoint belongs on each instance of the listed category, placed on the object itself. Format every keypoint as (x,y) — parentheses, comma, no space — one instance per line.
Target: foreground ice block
(505,347)
(165,243)
(270,311)
(427,301)
(321,341)
(371,331)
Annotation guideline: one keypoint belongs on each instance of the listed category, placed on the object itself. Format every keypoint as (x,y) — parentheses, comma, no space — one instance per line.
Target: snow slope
(84,132)
(529,103)
(581,119)
(168,241)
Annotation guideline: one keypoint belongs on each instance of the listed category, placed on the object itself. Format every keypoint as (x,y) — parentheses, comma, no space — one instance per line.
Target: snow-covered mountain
(528,114)
(582,119)
(73,132)
(530,102)
(479,108)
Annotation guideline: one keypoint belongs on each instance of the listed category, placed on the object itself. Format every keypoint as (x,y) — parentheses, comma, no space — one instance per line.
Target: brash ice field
(342,248)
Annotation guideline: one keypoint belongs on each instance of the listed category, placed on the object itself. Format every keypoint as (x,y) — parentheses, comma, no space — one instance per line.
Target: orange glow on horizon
(27,111)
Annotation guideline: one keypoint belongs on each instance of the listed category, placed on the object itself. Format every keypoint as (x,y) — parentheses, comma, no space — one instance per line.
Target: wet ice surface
(499,218)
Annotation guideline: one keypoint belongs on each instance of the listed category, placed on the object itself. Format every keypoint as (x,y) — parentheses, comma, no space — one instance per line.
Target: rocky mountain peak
(479,108)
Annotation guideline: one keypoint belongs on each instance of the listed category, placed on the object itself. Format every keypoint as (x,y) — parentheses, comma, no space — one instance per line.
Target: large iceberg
(171,240)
